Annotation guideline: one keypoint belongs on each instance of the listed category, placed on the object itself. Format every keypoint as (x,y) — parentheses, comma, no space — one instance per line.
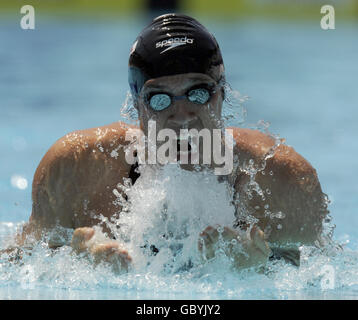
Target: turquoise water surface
(69,75)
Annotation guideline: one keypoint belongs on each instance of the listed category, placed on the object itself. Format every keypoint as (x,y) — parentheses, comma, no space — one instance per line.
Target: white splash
(168,208)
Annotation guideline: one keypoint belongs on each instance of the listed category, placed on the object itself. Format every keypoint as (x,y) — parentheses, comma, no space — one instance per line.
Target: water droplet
(280,215)
(19,182)
(220,229)
(279,226)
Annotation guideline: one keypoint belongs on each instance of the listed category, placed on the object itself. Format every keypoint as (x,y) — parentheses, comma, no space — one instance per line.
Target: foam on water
(168,208)
(320,275)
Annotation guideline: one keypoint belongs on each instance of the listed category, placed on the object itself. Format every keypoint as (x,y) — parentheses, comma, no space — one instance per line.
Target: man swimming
(176,77)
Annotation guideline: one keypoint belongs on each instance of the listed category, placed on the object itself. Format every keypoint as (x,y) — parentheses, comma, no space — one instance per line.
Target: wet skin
(75,179)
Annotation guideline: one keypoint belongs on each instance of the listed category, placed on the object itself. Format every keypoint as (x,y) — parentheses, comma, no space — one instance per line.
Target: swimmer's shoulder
(256,145)
(76,174)
(85,150)
(104,138)
(288,182)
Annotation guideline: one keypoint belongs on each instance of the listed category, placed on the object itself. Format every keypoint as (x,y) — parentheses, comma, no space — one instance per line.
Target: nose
(182,115)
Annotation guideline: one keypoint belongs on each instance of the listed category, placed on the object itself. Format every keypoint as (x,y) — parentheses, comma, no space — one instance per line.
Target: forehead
(178,82)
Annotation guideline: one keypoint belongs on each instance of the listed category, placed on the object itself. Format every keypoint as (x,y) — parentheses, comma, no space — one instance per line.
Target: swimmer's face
(181,113)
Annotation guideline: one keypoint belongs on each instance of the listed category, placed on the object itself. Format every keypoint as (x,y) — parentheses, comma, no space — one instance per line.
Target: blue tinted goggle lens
(161,101)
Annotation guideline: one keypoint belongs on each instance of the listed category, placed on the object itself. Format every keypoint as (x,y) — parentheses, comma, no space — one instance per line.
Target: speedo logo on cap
(173,43)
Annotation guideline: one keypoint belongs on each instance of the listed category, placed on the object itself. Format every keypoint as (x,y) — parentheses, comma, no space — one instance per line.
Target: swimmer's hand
(101,251)
(245,248)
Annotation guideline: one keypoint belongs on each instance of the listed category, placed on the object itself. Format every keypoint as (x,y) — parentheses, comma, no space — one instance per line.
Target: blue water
(69,75)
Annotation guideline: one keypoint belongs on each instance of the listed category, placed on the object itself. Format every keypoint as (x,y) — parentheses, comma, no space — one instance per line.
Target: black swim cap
(173,44)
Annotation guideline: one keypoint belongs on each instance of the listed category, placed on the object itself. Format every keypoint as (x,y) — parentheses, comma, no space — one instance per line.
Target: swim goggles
(161,101)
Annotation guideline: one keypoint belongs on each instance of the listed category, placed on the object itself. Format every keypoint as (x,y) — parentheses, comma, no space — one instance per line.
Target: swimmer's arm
(292,205)
(75,180)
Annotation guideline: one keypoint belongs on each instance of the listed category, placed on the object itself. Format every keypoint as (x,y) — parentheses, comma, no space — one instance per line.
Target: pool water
(72,75)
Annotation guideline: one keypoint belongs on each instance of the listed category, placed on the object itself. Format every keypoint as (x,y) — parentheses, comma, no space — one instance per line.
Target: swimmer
(177,77)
